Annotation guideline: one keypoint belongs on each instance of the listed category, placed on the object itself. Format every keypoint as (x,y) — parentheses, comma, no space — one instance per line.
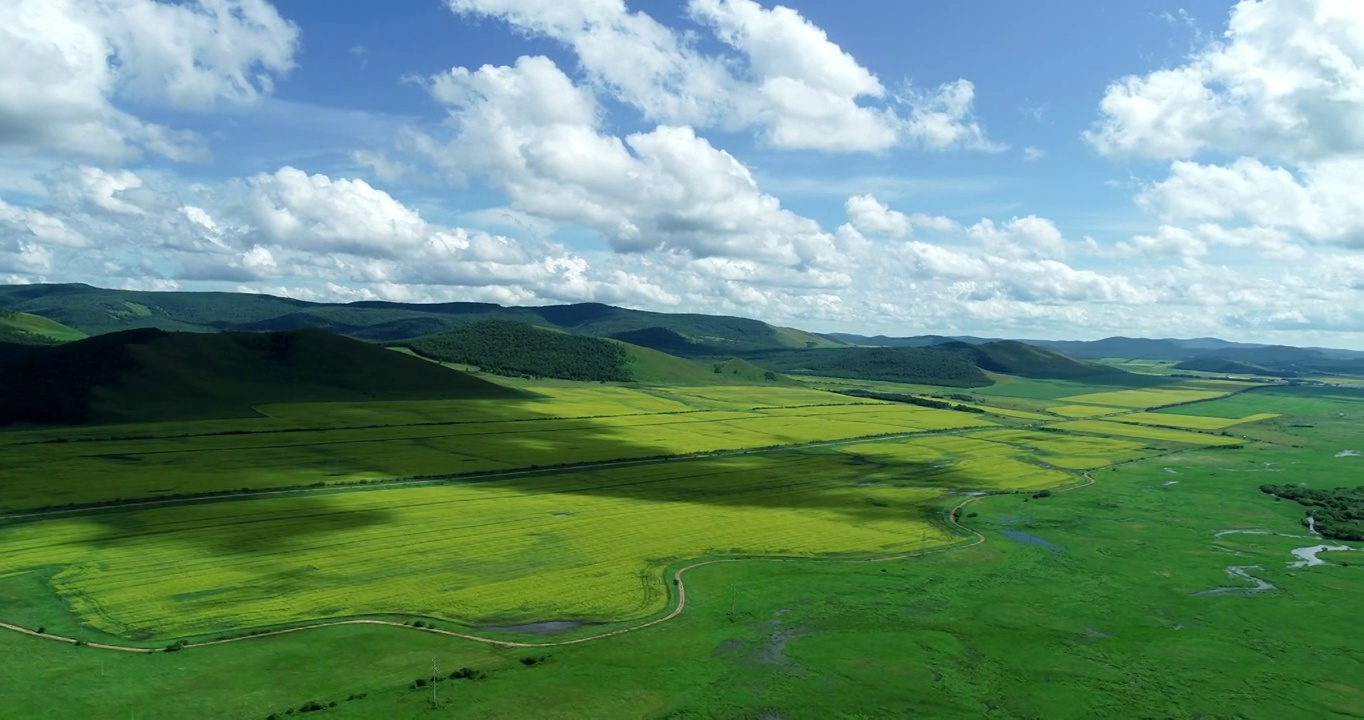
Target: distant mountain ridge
(1172,349)
(1205,354)
(96,311)
(951,360)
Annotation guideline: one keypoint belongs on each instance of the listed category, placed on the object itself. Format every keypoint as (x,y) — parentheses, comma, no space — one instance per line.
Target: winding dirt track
(678,582)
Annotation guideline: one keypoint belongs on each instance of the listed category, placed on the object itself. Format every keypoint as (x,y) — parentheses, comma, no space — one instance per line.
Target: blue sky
(1050,169)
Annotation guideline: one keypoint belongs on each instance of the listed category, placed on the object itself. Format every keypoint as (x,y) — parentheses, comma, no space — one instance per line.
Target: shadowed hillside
(1011,357)
(928,365)
(522,350)
(151,375)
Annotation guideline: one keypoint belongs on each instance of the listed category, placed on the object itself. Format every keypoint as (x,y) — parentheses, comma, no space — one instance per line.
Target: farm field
(1084,411)
(1097,588)
(586,546)
(1191,422)
(1074,452)
(1306,400)
(1147,397)
(1012,408)
(597,425)
(1108,428)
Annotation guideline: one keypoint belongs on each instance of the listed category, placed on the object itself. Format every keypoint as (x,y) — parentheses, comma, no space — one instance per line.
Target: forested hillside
(148,375)
(518,349)
(97,310)
(930,365)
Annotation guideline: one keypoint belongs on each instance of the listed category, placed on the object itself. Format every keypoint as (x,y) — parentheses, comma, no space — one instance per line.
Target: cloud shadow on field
(237,528)
(859,486)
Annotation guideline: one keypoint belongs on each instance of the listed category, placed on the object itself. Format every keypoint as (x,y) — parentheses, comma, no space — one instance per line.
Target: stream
(1239,572)
(1307,556)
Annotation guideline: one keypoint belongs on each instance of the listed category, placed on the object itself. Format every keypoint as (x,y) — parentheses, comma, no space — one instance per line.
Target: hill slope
(522,350)
(517,349)
(25,329)
(150,375)
(928,365)
(1011,357)
(952,363)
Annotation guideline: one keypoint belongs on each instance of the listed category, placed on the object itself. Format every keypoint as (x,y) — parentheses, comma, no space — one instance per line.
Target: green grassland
(1082,604)
(1301,400)
(25,329)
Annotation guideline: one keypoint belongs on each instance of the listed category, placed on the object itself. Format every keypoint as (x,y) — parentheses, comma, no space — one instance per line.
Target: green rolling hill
(522,350)
(149,375)
(26,329)
(96,310)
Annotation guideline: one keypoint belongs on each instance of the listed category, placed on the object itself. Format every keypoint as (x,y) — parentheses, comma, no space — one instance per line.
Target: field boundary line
(679,581)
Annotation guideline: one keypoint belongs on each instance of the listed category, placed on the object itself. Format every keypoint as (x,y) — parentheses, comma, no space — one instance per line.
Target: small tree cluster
(468,674)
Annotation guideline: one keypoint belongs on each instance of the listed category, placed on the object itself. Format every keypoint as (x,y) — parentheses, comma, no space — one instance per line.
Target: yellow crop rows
(582,545)
(1148,398)
(1084,411)
(959,462)
(1103,427)
(1073,452)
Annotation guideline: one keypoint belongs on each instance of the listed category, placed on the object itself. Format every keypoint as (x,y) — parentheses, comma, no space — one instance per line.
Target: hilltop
(1011,357)
(96,310)
(152,375)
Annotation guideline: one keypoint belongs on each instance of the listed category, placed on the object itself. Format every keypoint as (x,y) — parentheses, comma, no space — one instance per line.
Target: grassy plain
(1078,605)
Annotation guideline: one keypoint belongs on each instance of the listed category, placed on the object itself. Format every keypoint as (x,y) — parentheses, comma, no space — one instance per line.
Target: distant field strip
(1084,411)
(1147,398)
(79,472)
(1103,427)
(1192,422)
(1281,400)
(586,545)
(1073,452)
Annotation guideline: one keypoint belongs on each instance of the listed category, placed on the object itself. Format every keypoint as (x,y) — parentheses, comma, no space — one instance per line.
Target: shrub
(467,674)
